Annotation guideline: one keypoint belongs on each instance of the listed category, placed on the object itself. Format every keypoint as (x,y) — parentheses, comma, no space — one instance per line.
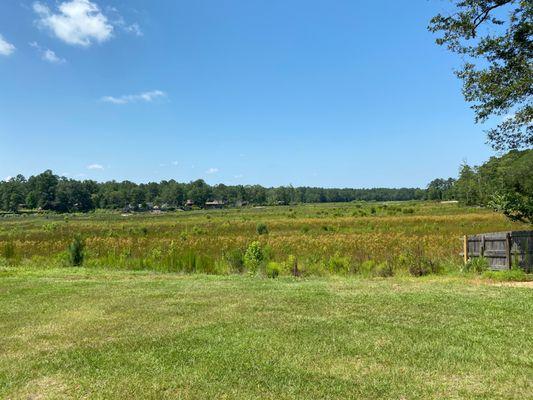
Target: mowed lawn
(79,333)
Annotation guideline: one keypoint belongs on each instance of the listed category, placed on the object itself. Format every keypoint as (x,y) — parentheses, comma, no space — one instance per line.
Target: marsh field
(171,306)
(321,239)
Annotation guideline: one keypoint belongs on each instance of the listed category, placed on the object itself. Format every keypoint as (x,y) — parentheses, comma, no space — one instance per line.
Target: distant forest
(511,173)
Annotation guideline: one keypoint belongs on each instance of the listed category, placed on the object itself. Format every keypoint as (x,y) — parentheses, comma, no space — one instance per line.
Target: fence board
(502,249)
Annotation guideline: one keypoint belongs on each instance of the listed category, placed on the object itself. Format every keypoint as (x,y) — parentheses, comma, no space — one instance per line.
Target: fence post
(482,248)
(465,249)
(508,247)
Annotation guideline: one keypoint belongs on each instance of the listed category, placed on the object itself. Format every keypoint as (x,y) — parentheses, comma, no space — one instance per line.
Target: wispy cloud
(211,171)
(48,55)
(8,178)
(6,48)
(238,176)
(146,97)
(95,167)
(76,22)
(174,163)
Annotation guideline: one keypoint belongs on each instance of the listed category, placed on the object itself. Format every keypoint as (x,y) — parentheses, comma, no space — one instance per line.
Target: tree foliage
(495,39)
(48,191)
(503,183)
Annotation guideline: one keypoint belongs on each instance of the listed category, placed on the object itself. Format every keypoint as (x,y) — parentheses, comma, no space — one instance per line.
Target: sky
(332,93)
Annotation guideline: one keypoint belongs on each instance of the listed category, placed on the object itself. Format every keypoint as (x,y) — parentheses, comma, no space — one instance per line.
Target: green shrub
(476,265)
(235,259)
(339,265)
(273,269)
(253,257)
(262,228)
(291,265)
(383,270)
(8,251)
(76,251)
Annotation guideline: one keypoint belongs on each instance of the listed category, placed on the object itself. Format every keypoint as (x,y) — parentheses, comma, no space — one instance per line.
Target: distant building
(189,203)
(214,204)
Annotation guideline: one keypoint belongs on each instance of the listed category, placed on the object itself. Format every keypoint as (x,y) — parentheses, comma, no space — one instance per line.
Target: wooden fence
(501,249)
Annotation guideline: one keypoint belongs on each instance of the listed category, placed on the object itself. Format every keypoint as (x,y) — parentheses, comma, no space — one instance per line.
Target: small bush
(383,270)
(476,265)
(253,257)
(76,252)
(421,268)
(292,266)
(262,228)
(339,265)
(235,259)
(273,269)
(8,251)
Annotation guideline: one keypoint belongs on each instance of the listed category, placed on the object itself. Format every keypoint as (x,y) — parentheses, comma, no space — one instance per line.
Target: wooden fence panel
(502,249)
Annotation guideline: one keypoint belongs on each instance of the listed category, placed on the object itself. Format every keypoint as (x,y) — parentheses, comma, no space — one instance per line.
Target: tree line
(48,191)
(503,183)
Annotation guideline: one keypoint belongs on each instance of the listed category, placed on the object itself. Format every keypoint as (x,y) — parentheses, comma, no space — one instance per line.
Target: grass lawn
(89,333)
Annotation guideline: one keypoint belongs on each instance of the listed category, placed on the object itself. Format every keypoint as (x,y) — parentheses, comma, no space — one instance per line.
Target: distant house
(214,204)
(127,209)
(189,203)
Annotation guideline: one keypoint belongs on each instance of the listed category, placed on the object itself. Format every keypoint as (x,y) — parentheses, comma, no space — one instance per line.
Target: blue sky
(334,93)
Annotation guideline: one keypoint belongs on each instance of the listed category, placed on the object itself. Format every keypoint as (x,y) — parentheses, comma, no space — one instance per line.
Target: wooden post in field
(508,248)
(482,248)
(465,249)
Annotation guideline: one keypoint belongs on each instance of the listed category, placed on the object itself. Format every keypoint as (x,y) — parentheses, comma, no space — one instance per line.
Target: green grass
(93,333)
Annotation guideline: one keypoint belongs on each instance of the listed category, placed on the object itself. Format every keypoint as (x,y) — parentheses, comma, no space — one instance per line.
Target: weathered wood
(465,249)
(508,247)
(501,249)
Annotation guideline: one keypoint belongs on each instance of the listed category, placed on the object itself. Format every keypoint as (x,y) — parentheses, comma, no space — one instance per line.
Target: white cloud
(8,178)
(174,163)
(95,166)
(77,22)
(6,48)
(134,98)
(135,29)
(51,57)
(212,171)
(48,55)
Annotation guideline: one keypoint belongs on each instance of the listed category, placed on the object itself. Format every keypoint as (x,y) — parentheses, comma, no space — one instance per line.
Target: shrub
(253,257)
(339,265)
(476,265)
(235,259)
(8,251)
(383,270)
(76,251)
(292,266)
(422,268)
(262,228)
(273,269)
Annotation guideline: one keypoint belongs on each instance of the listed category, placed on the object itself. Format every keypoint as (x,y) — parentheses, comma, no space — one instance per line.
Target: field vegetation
(369,239)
